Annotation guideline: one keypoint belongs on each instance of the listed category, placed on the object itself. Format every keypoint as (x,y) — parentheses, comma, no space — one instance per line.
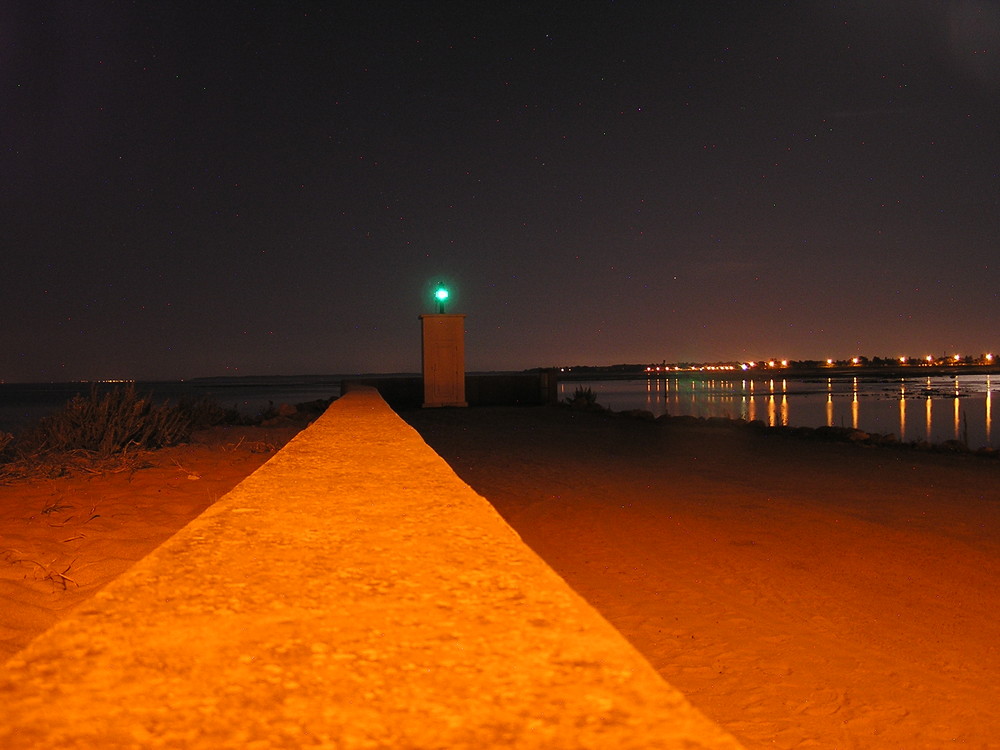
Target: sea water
(931,409)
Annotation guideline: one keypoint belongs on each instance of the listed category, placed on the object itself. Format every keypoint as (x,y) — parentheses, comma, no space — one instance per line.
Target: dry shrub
(105,424)
(203,413)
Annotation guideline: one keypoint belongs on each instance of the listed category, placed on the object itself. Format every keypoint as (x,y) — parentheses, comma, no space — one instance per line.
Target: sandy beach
(800,593)
(63,539)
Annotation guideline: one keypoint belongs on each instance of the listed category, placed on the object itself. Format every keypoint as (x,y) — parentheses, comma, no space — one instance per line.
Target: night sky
(216,188)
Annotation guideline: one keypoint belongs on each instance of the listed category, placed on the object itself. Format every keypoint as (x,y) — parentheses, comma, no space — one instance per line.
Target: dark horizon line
(787,367)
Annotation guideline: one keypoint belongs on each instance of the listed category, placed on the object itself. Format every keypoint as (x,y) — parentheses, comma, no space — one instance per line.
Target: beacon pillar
(443,355)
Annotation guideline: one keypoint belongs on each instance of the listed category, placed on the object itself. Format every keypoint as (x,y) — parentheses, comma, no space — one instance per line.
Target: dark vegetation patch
(114,430)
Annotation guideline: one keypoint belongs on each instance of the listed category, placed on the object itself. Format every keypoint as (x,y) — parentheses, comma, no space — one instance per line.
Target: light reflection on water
(931,409)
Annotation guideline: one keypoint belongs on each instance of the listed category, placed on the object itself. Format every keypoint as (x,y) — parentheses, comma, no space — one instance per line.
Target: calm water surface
(913,409)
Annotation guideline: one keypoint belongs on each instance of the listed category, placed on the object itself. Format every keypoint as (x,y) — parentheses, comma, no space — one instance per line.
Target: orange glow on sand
(819,642)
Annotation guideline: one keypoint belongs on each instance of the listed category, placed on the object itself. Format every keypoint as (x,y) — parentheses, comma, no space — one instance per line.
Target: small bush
(204,412)
(583,398)
(106,424)
(271,412)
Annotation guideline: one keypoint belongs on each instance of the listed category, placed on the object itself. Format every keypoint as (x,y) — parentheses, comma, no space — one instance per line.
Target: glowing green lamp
(441,294)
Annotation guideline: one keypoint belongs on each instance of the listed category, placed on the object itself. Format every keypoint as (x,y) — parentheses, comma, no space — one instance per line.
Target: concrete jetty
(352,593)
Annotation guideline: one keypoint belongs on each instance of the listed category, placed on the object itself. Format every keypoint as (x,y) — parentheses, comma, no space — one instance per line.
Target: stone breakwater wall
(352,593)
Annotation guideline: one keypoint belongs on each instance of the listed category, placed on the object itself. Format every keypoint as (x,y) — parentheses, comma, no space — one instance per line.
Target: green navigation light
(441,295)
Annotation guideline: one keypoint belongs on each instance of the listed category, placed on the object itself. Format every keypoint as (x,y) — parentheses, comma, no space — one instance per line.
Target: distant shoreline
(898,371)
(583,372)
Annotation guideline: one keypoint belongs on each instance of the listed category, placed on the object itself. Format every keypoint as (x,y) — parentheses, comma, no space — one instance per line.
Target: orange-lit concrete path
(352,593)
